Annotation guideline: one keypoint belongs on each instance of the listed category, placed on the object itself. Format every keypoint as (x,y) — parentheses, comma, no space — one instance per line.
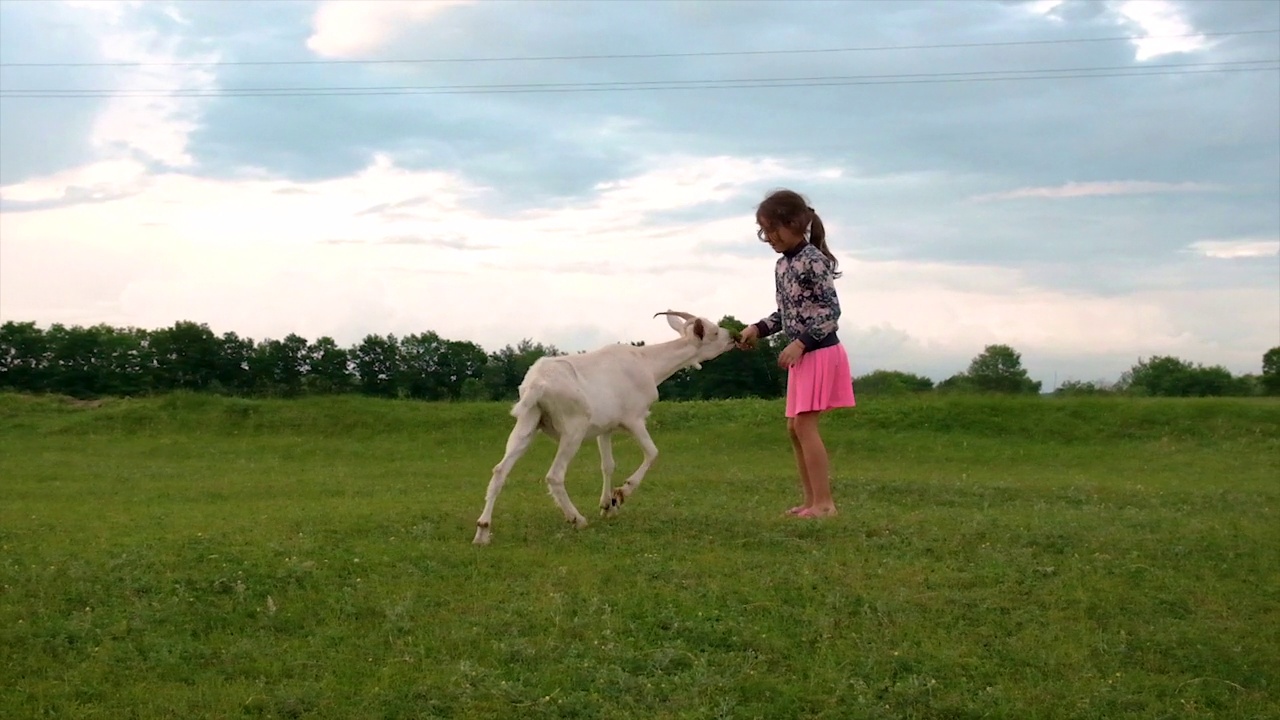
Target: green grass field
(203,557)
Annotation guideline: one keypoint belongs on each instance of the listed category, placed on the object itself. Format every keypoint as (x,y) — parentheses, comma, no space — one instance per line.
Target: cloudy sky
(1089,182)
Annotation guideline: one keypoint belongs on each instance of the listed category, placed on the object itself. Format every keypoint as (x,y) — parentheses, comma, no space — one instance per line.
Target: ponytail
(818,238)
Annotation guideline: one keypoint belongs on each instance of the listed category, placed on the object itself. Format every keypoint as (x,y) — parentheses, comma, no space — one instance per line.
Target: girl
(818,374)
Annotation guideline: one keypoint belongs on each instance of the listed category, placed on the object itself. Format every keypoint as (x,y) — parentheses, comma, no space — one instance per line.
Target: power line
(712,84)
(719,86)
(620,56)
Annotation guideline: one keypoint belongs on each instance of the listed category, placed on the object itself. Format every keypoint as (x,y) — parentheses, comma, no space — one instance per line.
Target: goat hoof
(577,522)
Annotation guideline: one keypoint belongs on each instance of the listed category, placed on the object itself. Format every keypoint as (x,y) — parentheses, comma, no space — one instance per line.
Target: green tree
(377,362)
(233,372)
(23,357)
(185,356)
(1162,375)
(1248,385)
(1215,381)
(419,375)
(331,369)
(135,361)
(461,362)
(75,366)
(88,362)
(117,361)
(891,382)
(506,367)
(278,366)
(958,383)
(1271,371)
(999,369)
(124,364)
(1167,376)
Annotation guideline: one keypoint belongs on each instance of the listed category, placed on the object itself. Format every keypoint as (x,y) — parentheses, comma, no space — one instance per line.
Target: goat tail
(530,394)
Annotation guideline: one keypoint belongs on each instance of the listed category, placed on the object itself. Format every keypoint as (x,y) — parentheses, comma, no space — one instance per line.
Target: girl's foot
(797,510)
(816,512)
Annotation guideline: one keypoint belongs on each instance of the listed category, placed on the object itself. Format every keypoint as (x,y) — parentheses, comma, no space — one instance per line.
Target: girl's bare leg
(813,454)
(806,487)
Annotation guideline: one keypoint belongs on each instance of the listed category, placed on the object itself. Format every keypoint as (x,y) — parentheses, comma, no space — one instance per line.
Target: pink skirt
(821,381)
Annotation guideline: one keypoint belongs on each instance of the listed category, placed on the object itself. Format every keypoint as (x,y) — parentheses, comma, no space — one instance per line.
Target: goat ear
(699,329)
(676,323)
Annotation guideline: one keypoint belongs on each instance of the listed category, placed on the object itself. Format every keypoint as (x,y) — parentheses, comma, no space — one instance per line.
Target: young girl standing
(818,374)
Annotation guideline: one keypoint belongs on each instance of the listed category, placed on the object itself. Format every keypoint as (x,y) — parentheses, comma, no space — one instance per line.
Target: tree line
(998,369)
(101,360)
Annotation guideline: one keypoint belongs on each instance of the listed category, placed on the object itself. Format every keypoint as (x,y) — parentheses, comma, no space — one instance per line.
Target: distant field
(204,557)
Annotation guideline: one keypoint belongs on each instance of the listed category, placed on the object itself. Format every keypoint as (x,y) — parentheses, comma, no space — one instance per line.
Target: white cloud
(99,179)
(1233,249)
(155,128)
(343,29)
(1045,8)
(1155,22)
(959,308)
(1093,189)
(1159,19)
(679,182)
(671,183)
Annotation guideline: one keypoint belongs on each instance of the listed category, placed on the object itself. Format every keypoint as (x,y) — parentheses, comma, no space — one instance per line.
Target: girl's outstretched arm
(769,325)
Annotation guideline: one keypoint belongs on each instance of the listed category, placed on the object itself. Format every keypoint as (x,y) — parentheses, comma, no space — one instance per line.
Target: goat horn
(682,315)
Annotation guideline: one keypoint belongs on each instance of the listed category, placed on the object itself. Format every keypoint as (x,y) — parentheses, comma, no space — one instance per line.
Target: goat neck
(668,358)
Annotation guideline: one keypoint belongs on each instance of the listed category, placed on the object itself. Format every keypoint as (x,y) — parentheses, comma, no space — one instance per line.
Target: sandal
(796,510)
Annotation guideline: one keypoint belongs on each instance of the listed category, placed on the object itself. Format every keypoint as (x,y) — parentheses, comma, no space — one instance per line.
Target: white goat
(573,398)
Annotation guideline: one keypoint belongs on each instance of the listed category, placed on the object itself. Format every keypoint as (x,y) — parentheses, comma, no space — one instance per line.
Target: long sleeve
(770,325)
(819,306)
(808,309)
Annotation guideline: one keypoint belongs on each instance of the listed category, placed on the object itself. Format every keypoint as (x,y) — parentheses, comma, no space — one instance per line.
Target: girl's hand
(790,354)
(747,338)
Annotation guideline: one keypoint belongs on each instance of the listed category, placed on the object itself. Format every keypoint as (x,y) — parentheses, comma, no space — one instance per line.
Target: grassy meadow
(204,557)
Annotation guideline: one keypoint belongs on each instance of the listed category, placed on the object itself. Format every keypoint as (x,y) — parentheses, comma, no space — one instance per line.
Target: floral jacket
(808,308)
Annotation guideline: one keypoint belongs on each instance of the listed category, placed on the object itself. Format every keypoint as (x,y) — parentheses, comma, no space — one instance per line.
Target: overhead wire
(626,56)
(638,85)
(1042,74)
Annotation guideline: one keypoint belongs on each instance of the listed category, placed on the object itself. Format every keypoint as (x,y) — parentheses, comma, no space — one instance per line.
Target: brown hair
(788,208)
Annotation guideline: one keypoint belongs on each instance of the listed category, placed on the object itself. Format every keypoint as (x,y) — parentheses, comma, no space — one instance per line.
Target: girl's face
(780,237)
